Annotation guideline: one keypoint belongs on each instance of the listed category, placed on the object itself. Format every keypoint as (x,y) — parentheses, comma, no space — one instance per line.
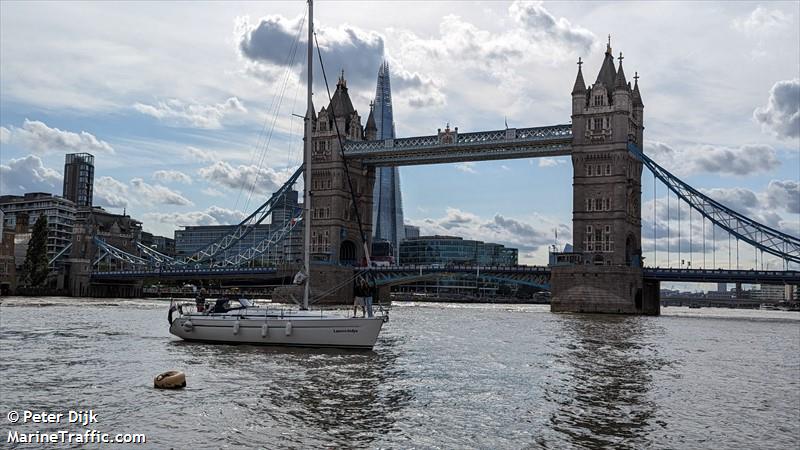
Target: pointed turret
(637,97)
(607,73)
(620,82)
(371,131)
(580,85)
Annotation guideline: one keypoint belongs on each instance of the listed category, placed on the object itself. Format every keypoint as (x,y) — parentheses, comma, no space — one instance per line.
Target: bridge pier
(602,289)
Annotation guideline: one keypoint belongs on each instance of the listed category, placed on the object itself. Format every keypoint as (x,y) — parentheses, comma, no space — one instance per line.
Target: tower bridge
(604,273)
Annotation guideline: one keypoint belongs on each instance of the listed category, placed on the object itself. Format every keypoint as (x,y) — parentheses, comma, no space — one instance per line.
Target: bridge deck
(450,147)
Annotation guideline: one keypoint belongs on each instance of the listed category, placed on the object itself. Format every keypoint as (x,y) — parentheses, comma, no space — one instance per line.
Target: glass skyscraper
(387,212)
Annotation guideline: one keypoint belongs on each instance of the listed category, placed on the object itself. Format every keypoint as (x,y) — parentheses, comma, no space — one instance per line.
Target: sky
(188,107)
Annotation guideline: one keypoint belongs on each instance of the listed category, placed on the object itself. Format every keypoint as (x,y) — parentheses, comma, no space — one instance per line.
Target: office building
(411,231)
(387,208)
(446,250)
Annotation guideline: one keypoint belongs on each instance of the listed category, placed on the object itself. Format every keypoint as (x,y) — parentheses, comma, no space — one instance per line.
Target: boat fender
(385,318)
(172,310)
(236,327)
(264,330)
(188,326)
(173,379)
(289,328)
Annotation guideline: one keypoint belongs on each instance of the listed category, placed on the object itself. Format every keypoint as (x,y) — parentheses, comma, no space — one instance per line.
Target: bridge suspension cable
(743,228)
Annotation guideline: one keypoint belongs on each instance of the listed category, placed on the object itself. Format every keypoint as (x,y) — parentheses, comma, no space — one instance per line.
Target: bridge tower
(606,217)
(335,236)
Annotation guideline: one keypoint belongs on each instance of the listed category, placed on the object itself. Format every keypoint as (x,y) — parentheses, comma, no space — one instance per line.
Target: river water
(441,375)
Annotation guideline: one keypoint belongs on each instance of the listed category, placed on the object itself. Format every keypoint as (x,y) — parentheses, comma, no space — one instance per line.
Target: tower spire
(580,85)
(619,81)
(608,46)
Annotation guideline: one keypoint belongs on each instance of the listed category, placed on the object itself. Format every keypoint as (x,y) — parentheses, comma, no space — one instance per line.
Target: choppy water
(449,376)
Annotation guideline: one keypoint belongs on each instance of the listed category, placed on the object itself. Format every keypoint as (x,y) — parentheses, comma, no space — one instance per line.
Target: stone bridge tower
(335,236)
(606,205)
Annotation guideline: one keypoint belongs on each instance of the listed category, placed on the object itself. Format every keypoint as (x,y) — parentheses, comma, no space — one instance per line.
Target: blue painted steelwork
(183,273)
(451,146)
(758,235)
(723,276)
(246,226)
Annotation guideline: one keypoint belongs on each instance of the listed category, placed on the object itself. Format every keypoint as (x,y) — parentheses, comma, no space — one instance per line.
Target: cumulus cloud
(260,180)
(37,137)
(175,112)
(214,215)
(466,167)
(539,23)
(781,115)
(110,192)
(358,52)
(116,194)
(508,231)
(761,20)
(172,176)
(154,193)
(199,155)
(744,160)
(28,174)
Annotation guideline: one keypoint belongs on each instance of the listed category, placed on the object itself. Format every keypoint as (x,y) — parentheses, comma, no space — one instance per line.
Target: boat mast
(307,157)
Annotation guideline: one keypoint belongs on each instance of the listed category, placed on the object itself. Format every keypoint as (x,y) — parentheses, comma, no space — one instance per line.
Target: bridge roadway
(537,276)
(450,146)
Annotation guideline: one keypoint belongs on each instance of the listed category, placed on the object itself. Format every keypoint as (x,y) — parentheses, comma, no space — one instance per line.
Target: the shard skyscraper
(387,213)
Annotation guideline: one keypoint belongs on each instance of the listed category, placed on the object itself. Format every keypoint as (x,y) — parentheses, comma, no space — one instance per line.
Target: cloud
(761,20)
(267,44)
(172,176)
(37,137)
(28,174)
(466,167)
(539,23)
(214,215)
(784,195)
(260,180)
(201,155)
(781,115)
(499,229)
(154,193)
(357,51)
(110,192)
(744,160)
(551,162)
(116,194)
(175,112)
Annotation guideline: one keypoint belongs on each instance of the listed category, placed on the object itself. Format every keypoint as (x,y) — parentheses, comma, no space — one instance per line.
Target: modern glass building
(387,210)
(445,250)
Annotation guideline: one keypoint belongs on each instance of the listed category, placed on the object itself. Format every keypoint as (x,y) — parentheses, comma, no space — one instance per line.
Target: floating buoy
(289,328)
(173,379)
(264,330)
(236,327)
(188,326)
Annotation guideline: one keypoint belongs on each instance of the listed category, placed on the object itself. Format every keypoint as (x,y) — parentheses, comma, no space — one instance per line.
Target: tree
(34,270)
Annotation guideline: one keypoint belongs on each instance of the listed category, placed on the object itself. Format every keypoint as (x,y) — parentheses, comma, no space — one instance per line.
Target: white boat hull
(300,330)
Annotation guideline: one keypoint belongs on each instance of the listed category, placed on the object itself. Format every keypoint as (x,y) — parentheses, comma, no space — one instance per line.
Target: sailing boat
(238,321)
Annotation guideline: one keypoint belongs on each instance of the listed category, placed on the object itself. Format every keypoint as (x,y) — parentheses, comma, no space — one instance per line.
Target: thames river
(441,376)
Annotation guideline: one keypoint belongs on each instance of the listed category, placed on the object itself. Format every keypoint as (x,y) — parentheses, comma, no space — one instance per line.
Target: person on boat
(200,300)
(361,292)
(221,305)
